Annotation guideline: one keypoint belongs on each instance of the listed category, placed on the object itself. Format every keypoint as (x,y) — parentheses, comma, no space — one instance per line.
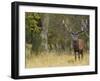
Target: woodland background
(49,33)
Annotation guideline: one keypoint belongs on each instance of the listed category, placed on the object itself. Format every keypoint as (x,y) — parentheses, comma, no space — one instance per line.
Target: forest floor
(54,60)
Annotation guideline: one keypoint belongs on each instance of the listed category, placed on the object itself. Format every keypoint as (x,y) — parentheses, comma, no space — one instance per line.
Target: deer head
(74,34)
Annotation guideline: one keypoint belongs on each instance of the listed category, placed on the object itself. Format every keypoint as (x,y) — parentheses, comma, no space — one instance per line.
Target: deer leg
(75,56)
(79,55)
(82,54)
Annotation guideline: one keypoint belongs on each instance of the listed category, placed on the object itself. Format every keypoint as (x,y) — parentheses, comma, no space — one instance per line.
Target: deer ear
(72,33)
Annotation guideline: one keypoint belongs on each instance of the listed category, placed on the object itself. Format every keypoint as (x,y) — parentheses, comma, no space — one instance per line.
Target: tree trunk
(44,33)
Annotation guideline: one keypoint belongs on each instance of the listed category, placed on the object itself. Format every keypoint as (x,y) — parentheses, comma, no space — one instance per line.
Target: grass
(53,60)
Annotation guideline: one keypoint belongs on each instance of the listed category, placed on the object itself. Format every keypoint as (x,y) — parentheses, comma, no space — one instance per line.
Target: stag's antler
(84,27)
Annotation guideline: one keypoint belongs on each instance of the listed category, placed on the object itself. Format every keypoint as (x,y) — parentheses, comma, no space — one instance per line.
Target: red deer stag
(77,44)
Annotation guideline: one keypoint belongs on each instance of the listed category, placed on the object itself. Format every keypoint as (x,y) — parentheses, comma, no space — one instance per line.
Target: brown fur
(78,46)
